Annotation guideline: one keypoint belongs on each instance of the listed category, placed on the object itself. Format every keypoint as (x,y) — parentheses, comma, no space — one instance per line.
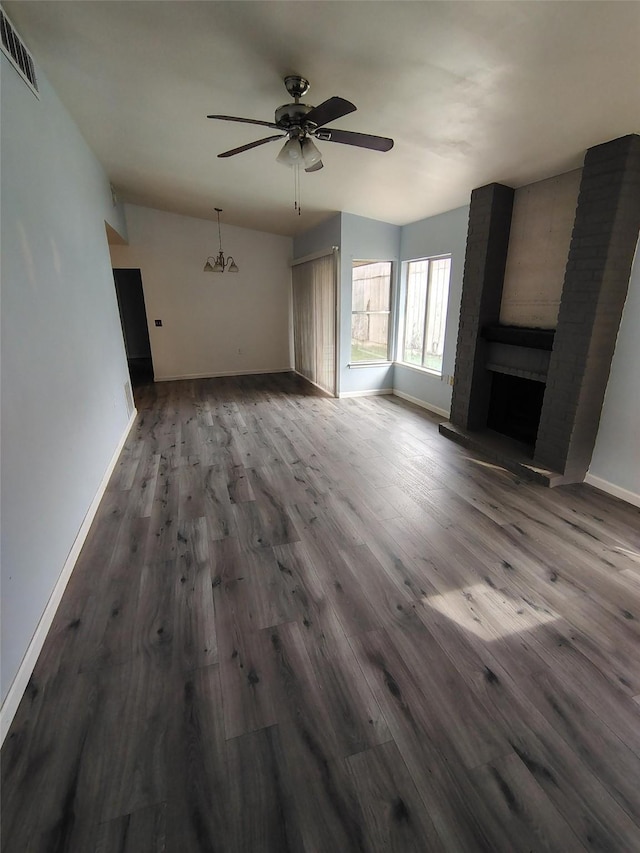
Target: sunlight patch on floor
(490,614)
(485,464)
(633,555)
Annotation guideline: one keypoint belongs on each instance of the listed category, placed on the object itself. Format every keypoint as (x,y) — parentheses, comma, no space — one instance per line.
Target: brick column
(485,259)
(596,280)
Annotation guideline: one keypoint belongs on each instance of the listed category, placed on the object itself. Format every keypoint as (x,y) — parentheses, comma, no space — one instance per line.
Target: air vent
(17,53)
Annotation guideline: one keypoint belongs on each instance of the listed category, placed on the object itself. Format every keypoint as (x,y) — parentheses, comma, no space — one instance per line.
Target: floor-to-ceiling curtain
(314,320)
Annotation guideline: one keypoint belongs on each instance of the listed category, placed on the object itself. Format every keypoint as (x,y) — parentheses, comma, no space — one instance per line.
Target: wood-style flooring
(308,624)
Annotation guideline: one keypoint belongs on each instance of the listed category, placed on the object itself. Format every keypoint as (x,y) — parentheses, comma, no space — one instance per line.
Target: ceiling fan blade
(251,145)
(362,140)
(330,110)
(316,167)
(245,120)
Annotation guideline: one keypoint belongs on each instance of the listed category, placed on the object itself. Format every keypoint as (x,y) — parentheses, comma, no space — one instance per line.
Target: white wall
(208,317)
(63,362)
(615,464)
(437,235)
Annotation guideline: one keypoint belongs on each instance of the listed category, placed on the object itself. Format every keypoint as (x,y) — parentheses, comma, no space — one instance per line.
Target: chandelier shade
(298,152)
(310,153)
(291,153)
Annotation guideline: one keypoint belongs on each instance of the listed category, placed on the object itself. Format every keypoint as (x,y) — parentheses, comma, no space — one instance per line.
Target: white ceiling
(472,92)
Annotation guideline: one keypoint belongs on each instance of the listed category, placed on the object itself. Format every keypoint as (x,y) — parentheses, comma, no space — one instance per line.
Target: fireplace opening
(515,406)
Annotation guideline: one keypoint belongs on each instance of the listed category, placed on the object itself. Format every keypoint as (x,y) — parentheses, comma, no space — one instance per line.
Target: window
(370,310)
(426,312)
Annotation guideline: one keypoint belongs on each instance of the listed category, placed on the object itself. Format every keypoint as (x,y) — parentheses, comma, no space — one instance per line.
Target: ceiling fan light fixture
(290,153)
(310,153)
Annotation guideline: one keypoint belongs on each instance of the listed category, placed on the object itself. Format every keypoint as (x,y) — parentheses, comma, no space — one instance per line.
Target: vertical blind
(314,321)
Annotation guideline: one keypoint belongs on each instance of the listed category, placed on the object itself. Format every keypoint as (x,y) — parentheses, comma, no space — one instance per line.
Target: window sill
(358,364)
(427,370)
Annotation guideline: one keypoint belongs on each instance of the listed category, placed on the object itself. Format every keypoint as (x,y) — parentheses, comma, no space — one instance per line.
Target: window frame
(389,313)
(402,331)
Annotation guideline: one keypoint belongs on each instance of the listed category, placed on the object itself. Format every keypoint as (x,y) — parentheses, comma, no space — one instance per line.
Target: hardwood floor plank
(520,804)
(593,814)
(58,809)
(354,610)
(194,623)
(460,817)
(197,785)
(314,612)
(329,814)
(153,628)
(238,485)
(338,714)
(453,707)
(248,704)
(111,611)
(260,789)
(217,506)
(144,831)
(275,599)
(395,817)
(132,735)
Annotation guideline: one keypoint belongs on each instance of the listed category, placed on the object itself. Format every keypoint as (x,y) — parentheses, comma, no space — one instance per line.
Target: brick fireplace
(528,397)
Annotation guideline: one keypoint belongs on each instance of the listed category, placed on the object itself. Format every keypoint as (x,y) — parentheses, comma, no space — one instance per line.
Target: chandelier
(220,263)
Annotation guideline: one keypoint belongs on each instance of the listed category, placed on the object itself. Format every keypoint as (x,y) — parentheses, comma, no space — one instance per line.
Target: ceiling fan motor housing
(289,116)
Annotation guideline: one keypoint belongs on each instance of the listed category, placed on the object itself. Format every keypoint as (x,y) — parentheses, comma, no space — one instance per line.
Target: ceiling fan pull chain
(296,189)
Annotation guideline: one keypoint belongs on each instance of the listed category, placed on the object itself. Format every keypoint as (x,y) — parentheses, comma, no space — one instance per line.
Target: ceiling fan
(300,122)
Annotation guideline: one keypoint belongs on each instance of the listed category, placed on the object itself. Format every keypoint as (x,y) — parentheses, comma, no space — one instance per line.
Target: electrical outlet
(158,322)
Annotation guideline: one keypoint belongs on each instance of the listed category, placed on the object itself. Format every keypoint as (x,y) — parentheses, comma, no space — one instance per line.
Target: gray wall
(63,359)
(616,456)
(437,235)
(322,236)
(358,238)
(363,239)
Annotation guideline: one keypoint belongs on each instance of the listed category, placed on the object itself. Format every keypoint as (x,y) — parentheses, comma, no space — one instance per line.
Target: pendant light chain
(220,263)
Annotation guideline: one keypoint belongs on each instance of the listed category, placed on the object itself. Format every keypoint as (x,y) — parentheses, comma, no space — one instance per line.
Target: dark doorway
(515,407)
(133,316)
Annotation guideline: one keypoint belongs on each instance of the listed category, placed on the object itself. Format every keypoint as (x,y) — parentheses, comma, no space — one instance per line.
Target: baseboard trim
(423,405)
(223,373)
(370,392)
(20,682)
(611,489)
(315,384)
